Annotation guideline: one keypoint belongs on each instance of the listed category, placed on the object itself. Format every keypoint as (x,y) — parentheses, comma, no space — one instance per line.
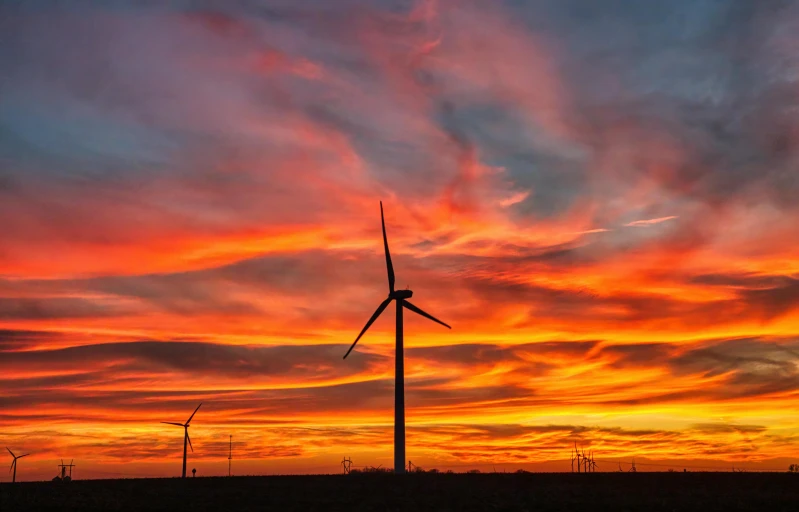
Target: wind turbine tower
(14,463)
(186,438)
(401,297)
(230,455)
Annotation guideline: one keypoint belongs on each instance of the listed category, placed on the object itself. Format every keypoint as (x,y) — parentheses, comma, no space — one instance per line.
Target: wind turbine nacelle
(401,294)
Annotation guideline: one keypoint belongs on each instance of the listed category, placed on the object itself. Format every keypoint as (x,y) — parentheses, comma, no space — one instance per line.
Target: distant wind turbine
(14,463)
(186,438)
(401,296)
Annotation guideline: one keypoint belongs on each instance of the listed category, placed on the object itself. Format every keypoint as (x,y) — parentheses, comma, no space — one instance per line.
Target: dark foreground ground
(534,492)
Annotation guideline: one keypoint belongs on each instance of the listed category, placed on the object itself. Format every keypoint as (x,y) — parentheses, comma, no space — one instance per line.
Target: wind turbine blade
(12,465)
(172,423)
(389,266)
(9,451)
(427,315)
(23,455)
(383,305)
(189,438)
(195,412)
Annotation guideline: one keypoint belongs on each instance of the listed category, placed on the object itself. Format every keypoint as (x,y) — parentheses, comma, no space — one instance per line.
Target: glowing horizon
(601,202)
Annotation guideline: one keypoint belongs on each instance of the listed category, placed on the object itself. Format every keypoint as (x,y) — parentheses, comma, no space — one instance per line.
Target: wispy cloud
(650,222)
(189,197)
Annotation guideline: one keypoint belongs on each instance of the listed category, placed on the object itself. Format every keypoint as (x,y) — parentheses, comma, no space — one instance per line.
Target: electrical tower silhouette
(347,464)
(64,467)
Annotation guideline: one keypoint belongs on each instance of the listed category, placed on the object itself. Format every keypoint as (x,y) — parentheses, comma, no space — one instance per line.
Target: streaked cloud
(649,222)
(189,194)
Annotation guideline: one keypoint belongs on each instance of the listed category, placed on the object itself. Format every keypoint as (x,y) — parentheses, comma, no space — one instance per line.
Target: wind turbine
(14,463)
(401,296)
(186,438)
(573,458)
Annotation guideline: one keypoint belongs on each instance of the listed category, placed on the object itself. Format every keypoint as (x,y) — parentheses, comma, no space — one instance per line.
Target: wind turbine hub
(401,294)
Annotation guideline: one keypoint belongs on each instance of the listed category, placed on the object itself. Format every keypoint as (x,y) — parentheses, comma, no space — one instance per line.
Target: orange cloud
(192,216)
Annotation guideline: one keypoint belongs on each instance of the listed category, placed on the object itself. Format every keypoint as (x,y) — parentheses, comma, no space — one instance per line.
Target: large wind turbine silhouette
(186,438)
(401,296)
(14,463)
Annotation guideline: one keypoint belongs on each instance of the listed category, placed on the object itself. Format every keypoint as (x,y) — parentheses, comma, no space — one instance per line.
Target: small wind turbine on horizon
(14,463)
(401,296)
(186,438)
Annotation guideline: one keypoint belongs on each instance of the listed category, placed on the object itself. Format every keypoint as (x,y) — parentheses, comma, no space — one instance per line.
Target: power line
(653,464)
(115,473)
(474,465)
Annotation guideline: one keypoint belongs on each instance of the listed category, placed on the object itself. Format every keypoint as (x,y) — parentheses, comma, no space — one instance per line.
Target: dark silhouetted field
(485,492)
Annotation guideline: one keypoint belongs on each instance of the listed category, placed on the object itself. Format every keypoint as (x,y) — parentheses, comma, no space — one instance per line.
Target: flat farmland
(417,492)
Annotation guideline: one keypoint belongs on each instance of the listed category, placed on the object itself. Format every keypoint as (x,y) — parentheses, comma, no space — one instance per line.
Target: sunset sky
(599,197)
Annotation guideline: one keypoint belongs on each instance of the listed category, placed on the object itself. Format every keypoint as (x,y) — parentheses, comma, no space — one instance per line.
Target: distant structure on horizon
(401,296)
(62,476)
(186,438)
(230,455)
(632,468)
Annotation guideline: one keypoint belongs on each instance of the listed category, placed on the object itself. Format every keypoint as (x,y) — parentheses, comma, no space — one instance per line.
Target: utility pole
(230,455)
